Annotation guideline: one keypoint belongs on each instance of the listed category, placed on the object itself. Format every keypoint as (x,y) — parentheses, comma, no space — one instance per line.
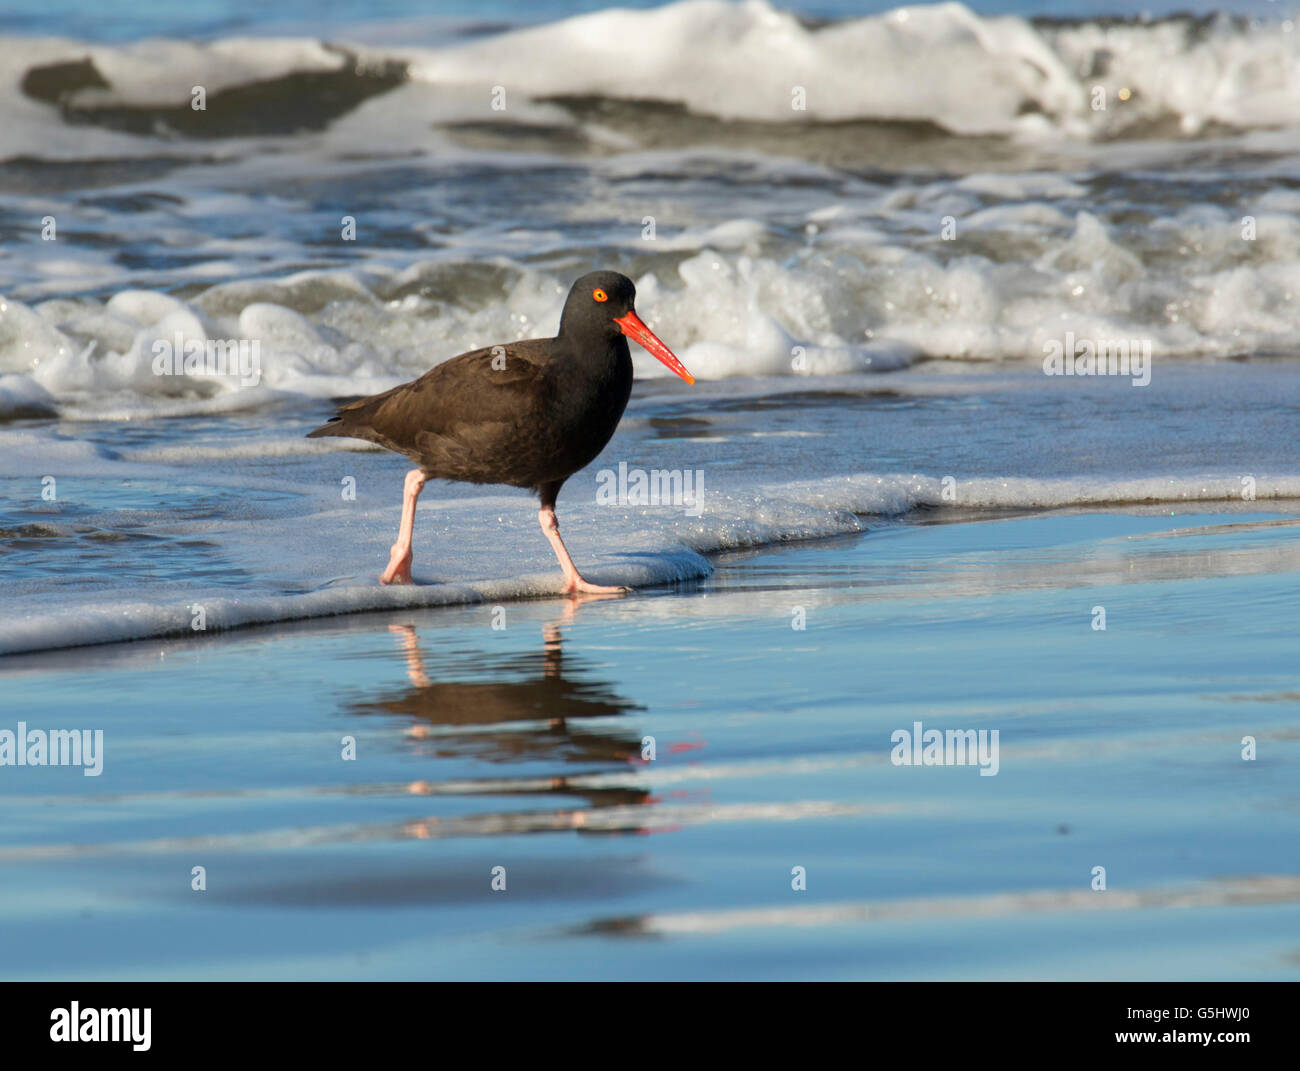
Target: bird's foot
(399,567)
(575,585)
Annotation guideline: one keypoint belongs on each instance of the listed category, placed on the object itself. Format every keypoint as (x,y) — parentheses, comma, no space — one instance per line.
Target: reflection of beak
(632,326)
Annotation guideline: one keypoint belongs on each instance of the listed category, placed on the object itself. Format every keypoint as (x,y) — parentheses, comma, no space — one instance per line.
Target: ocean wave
(939,64)
(763,265)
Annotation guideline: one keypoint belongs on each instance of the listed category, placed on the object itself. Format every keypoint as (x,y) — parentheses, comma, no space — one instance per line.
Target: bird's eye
(600,295)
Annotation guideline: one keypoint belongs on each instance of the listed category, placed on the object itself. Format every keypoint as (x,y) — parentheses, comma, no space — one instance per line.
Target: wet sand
(521,746)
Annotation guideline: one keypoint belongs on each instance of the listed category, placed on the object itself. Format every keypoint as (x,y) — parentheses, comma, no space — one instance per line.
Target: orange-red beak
(632,326)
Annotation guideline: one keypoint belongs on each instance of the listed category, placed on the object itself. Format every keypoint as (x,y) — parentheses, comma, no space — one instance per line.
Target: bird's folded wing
(506,384)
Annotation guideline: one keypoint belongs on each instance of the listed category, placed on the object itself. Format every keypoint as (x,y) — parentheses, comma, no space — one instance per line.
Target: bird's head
(602,303)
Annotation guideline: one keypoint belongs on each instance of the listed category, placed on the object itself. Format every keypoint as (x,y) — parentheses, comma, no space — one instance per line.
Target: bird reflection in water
(531,711)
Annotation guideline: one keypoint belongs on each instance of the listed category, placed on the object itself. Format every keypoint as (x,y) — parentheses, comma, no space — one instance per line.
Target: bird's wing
(506,384)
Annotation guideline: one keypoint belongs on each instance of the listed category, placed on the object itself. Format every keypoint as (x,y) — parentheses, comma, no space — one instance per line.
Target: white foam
(23,396)
(844,304)
(36,452)
(940,63)
(895,495)
(481,546)
(850,277)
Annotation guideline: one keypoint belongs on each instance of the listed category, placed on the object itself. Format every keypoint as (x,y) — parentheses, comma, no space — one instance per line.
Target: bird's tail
(334,426)
(354,420)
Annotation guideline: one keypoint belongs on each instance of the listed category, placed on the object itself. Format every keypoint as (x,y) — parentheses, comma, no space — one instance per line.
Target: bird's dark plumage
(528,414)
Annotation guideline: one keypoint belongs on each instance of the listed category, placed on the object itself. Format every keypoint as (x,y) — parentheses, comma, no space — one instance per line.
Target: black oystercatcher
(528,414)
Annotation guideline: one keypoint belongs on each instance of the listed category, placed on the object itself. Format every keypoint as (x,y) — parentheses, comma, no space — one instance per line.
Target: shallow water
(866,289)
(123,530)
(520,747)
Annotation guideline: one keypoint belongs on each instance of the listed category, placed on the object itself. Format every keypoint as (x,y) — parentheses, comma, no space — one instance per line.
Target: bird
(526,414)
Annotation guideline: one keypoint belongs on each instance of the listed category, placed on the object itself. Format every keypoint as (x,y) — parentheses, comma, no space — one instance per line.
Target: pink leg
(399,561)
(573,581)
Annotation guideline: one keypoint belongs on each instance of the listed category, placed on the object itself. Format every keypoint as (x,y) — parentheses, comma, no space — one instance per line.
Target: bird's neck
(589,371)
(593,353)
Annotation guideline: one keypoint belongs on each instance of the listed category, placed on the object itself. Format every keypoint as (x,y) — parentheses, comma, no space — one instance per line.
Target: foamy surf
(873,307)
(948,188)
(941,64)
(465,545)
